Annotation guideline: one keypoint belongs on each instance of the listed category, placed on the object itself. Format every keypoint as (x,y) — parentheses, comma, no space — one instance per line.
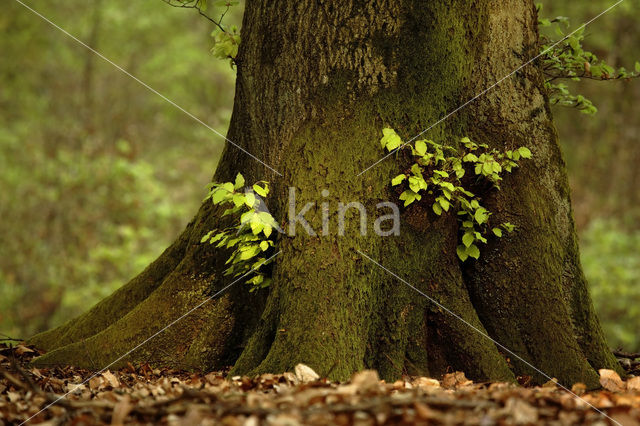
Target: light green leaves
(420,147)
(390,139)
(250,238)
(398,179)
(444,167)
(239,181)
(225,44)
(261,191)
(409,197)
(468,238)
(568,60)
(524,152)
(465,252)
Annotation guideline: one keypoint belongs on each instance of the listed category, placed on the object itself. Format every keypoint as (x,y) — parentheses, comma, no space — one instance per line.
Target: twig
(196,7)
(9,338)
(623,354)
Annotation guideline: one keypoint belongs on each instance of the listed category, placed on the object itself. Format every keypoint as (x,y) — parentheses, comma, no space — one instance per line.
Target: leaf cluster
(569,60)
(251,239)
(438,174)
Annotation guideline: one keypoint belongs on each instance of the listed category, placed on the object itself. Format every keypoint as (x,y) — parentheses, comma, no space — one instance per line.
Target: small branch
(6,338)
(629,355)
(196,7)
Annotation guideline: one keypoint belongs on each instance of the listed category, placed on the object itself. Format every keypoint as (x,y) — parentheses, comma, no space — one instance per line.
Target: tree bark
(317,81)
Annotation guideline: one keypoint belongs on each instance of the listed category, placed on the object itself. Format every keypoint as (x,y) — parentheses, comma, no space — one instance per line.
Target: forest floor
(142,395)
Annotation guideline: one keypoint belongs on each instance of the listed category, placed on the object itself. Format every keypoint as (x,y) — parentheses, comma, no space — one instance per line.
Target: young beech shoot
(439,175)
(252,237)
(569,60)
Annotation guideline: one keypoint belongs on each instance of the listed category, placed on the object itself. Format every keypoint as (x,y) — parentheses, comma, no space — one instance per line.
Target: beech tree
(317,81)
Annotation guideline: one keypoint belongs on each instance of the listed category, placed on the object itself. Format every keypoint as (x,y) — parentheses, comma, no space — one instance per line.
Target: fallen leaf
(121,411)
(424,412)
(366,380)
(521,411)
(14,396)
(426,382)
(95,383)
(305,374)
(579,388)
(633,384)
(455,380)
(610,380)
(21,350)
(111,379)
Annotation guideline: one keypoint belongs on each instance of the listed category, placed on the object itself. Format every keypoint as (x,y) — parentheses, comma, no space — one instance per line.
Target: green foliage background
(99,175)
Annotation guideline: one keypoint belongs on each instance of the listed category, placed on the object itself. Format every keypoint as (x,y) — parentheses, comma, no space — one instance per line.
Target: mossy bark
(316,83)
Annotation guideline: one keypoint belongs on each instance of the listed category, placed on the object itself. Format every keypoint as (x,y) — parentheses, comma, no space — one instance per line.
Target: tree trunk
(317,81)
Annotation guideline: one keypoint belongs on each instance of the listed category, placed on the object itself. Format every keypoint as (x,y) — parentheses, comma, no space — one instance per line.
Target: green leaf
(497,232)
(468,238)
(206,237)
(437,209)
(481,215)
(249,199)
(508,226)
(260,190)
(443,203)
(421,147)
(398,180)
(219,195)
(238,200)
(409,197)
(256,227)
(524,152)
(637,68)
(264,245)
(239,181)
(414,184)
(249,252)
(390,140)
(473,251)
(461,251)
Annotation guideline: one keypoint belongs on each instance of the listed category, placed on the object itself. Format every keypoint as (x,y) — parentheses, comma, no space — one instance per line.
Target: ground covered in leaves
(142,395)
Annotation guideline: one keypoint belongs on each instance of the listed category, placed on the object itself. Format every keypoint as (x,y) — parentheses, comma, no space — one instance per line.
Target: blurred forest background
(99,175)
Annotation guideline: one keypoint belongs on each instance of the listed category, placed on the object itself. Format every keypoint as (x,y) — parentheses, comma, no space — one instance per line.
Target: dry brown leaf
(423,412)
(366,380)
(579,388)
(21,350)
(521,412)
(610,380)
(426,382)
(633,384)
(455,380)
(305,374)
(121,411)
(111,379)
(14,396)
(95,383)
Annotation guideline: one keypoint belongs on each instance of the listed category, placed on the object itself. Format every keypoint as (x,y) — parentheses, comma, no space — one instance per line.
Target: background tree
(315,85)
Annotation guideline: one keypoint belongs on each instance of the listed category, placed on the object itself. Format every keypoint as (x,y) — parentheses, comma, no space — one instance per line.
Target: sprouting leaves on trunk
(251,239)
(444,175)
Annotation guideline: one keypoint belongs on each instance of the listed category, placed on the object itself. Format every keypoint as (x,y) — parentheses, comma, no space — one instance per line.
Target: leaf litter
(145,395)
